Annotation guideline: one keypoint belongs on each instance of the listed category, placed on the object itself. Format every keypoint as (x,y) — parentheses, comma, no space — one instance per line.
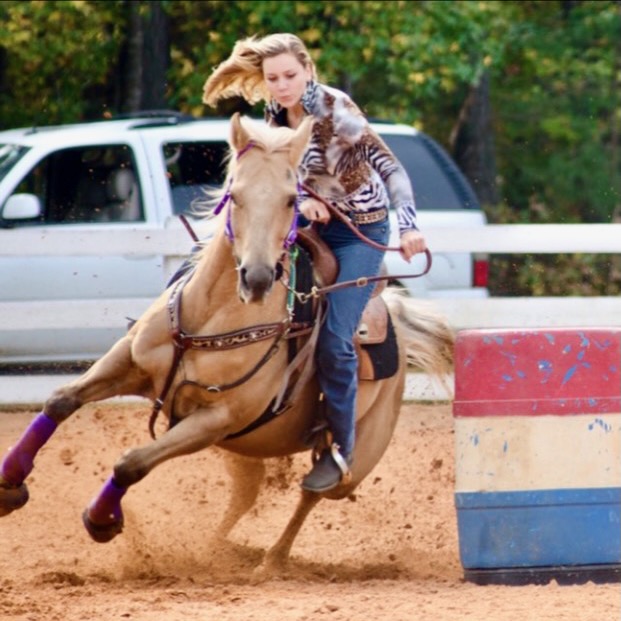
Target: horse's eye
(291,202)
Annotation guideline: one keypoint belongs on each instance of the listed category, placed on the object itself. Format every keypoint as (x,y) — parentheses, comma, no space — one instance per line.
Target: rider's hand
(411,243)
(314,210)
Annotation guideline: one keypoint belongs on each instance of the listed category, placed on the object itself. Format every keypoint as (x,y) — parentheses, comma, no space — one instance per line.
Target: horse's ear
(300,141)
(239,135)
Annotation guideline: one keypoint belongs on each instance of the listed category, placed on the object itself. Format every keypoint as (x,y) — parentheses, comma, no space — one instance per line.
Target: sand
(390,552)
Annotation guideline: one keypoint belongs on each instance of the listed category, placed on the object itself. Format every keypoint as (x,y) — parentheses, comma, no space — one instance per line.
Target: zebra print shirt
(346,162)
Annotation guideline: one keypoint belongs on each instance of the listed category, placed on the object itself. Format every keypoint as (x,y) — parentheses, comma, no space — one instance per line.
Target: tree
(558,102)
(145,58)
(533,118)
(472,142)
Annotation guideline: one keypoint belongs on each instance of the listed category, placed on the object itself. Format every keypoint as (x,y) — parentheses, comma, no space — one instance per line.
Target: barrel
(537,417)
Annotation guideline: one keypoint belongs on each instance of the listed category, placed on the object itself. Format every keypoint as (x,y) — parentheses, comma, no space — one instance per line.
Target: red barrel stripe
(530,373)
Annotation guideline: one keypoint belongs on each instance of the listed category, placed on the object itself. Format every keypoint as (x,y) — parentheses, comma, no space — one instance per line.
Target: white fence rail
(462,313)
(494,239)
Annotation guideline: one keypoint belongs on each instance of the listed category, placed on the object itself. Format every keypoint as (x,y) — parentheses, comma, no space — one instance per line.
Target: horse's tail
(428,337)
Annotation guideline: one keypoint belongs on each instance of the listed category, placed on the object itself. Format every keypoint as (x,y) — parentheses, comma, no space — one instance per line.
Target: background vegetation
(526,95)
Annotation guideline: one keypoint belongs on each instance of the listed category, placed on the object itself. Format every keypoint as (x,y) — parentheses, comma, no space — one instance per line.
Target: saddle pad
(373,327)
(379,360)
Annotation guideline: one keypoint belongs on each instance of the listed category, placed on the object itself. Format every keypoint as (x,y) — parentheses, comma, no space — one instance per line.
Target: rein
(317,291)
(292,234)
(364,280)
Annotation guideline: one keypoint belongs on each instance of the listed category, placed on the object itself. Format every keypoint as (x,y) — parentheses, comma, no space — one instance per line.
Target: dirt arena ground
(390,553)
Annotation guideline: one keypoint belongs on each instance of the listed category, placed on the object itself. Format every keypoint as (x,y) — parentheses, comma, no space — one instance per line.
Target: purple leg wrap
(18,464)
(106,508)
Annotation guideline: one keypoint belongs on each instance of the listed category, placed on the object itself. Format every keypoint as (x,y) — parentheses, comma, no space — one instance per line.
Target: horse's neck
(215,276)
(211,302)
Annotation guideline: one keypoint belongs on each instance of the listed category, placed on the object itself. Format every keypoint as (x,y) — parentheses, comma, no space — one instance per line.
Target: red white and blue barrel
(538,454)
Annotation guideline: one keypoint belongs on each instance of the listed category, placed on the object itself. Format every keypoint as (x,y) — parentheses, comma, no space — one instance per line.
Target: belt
(368,217)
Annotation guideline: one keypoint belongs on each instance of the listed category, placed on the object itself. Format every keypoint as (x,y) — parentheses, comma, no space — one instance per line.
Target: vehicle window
(434,177)
(9,155)
(193,170)
(86,185)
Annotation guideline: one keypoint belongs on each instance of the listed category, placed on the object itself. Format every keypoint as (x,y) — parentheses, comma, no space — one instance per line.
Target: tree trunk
(472,142)
(145,59)
(131,68)
(156,57)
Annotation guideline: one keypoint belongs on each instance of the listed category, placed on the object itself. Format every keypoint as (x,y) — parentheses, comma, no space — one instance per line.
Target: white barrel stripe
(534,453)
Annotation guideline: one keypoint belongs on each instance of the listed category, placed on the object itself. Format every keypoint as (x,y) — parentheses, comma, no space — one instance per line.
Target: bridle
(277,331)
(226,200)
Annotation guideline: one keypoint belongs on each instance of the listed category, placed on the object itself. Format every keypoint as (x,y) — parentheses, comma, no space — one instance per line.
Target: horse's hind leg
(374,432)
(247,474)
(99,382)
(277,556)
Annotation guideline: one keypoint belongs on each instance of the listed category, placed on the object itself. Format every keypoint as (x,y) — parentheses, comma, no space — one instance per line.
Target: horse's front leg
(111,375)
(103,518)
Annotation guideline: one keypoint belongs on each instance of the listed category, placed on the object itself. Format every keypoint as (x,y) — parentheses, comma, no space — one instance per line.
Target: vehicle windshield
(9,155)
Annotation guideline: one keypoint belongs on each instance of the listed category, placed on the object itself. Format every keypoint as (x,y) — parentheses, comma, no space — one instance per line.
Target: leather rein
(364,280)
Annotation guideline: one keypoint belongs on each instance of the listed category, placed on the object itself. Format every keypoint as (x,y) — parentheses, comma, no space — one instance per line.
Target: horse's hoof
(12,498)
(273,566)
(101,533)
(260,575)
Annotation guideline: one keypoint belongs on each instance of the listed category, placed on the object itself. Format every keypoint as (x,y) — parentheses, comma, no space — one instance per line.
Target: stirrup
(341,463)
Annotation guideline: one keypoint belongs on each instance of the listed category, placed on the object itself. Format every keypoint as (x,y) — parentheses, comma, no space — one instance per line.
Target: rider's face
(286,79)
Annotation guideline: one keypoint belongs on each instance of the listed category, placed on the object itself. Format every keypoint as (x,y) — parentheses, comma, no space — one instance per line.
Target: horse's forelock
(268,138)
(264,137)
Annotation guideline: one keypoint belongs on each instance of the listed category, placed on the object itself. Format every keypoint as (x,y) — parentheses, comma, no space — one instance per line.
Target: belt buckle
(370,217)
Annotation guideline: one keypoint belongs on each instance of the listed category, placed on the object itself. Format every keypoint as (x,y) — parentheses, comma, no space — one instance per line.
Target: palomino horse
(214,387)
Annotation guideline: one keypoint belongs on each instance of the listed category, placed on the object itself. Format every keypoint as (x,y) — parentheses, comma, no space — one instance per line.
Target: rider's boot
(329,470)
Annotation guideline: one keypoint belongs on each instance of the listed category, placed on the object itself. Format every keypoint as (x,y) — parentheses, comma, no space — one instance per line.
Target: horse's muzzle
(255,282)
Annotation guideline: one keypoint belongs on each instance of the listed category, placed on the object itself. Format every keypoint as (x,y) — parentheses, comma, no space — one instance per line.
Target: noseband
(226,199)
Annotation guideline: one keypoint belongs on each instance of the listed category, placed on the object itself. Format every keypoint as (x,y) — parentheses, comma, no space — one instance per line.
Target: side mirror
(21,207)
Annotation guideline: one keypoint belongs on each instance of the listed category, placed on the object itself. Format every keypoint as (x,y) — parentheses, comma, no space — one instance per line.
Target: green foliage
(555,72)
(557,102)
(398,59)
(545,275)
(56,55)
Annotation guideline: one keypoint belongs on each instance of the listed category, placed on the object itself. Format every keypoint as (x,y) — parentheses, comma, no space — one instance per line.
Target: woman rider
(349,166)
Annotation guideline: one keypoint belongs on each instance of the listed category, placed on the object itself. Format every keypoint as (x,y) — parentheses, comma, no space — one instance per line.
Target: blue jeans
(337,363)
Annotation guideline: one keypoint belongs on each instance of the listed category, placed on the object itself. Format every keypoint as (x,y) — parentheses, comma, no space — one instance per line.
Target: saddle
(375,341)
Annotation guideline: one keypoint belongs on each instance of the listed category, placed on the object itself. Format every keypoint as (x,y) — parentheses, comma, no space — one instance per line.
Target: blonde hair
(241,74)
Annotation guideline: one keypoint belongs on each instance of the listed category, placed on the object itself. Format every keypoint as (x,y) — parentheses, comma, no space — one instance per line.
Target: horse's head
(263,195)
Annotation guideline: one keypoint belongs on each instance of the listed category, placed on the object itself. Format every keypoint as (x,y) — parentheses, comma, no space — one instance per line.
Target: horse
(209,353)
